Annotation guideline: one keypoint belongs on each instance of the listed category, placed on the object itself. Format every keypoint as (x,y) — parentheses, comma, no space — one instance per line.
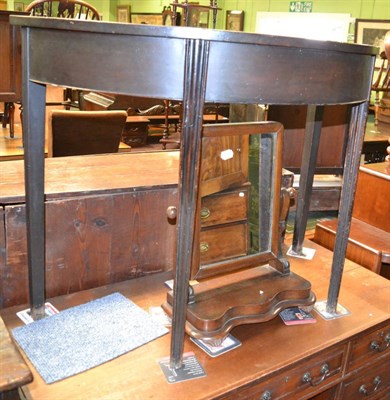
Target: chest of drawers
(224,225)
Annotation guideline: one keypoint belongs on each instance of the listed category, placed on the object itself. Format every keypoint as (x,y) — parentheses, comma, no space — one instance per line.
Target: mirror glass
(239,189)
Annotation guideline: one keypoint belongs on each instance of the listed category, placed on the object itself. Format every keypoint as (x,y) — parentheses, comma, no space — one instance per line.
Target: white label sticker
(227,154)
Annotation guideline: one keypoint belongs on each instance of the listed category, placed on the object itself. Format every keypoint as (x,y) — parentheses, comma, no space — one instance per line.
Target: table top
(266,348)
(381,170)
(241,67)
(93,174)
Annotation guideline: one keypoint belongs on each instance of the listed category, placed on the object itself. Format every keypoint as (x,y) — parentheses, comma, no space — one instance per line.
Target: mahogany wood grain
(372,198)
(214,312)
(365,247)
(269,350)
(369,237)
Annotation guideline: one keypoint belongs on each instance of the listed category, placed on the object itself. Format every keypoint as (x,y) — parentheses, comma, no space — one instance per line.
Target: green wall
(371,9)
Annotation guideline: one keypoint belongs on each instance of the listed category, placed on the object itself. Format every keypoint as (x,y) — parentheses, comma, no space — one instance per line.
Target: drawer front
(299,382)
(224,162)
(223,242)
(372,383)
(224,208)
(369,347)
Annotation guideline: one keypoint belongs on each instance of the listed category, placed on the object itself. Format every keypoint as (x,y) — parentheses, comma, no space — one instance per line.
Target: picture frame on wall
(168,17)
(18,6)
(202,19)
(147,18)
(372,32)
(123,14)
(234,20)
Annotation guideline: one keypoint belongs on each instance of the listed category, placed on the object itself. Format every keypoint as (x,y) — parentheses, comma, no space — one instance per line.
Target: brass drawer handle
(366,392)
(381,346)
(205,213)
(325,372)
(266,395)
(204,247)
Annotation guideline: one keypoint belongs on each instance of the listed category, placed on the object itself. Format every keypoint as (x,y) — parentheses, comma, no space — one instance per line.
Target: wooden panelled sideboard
(100,222)
(210,66)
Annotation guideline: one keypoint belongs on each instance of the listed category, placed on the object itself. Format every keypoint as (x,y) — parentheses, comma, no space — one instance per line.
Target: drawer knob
(325,372)
(380,346)
(375,385)
(266,395)
(205,213)
(171,212)
(204,247)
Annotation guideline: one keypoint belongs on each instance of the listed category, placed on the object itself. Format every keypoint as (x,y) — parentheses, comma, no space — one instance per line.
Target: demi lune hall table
(191,65)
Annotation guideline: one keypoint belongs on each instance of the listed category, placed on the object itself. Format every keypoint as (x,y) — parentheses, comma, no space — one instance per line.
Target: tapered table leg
(308,164)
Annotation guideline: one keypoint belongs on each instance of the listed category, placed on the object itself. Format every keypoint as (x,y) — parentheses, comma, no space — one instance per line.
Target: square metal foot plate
(320,307)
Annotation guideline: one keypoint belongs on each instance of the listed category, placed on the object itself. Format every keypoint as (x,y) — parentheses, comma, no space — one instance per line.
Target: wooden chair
(382,86)
(369,237)
(84,132)
(77,9)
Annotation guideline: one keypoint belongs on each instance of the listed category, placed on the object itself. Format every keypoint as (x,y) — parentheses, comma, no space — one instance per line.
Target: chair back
(77,9)
(381,85)
(84,132)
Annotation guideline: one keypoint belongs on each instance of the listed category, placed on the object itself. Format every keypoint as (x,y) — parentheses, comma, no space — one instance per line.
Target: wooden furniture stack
(101,221)
(204,71)
(369,238)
